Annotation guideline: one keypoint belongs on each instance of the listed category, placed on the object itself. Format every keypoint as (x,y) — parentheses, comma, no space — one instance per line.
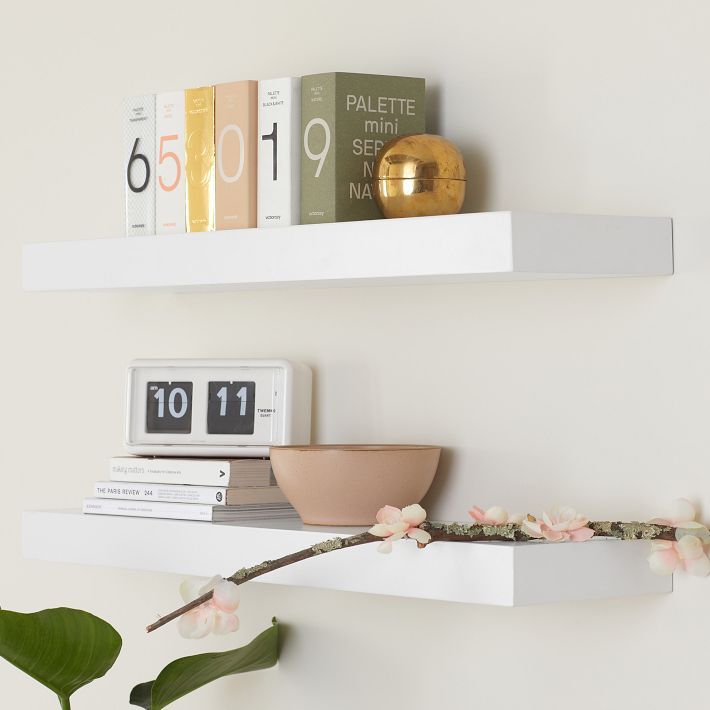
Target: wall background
(593,393)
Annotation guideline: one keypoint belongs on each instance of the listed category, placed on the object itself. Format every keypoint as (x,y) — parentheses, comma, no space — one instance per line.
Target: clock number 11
(231,407)
(241,396)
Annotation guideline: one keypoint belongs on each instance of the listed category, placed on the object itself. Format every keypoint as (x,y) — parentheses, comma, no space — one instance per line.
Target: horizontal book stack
(268,153)
(211,490)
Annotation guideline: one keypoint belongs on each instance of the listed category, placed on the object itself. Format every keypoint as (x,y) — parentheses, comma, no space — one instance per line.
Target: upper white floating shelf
(455,248)
(501,574)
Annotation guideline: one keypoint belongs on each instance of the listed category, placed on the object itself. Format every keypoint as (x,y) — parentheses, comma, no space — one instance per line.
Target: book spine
(279,174)
(196,473)
(371,110)
(199,159)
(146,509)
(170,162)
(139,164)
(236,140)
(318,131)
(206,495)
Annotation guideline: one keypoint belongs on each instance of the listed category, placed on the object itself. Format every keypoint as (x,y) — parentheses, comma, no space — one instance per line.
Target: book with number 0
(236,157)
(345,120)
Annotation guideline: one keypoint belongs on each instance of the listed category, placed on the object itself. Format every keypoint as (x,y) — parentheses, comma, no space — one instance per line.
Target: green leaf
(63,649)
(192,672)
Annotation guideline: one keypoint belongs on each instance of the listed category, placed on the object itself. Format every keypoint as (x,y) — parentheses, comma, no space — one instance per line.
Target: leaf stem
(64,702)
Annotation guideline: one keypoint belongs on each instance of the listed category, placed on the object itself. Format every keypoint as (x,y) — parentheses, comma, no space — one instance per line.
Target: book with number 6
(345,120)
(139,164)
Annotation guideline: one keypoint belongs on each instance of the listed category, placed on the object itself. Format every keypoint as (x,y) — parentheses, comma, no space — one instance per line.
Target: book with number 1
(279,198)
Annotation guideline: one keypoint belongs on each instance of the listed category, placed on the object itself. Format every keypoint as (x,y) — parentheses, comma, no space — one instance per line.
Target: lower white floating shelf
(502,574)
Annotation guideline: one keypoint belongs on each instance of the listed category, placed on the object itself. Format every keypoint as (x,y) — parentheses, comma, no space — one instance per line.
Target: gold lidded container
(419,175)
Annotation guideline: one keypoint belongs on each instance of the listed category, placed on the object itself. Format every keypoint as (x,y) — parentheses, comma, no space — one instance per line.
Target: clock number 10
(169,407)
(174,394)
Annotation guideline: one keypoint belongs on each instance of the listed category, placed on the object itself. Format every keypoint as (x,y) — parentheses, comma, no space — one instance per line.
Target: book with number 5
(345,120)
(170,162)
(236,154)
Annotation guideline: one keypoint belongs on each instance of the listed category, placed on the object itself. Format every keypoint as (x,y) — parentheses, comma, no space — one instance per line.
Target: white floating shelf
(502,574)
(455,248)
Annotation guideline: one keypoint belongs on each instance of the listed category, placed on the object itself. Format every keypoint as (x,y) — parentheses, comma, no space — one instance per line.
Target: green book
(345,120)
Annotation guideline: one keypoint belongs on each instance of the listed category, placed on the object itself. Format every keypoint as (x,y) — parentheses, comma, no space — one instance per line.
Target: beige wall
(589,392)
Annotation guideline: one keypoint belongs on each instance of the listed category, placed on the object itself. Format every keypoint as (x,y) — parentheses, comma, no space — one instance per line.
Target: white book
(139,164)
(186,511)
(279,152)
(227,473)
(170,162)
(177,493)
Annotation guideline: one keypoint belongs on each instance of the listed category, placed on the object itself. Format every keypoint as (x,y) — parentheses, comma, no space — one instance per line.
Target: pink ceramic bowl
(348,484)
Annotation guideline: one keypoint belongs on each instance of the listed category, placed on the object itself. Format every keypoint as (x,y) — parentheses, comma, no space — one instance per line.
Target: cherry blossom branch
(439,532)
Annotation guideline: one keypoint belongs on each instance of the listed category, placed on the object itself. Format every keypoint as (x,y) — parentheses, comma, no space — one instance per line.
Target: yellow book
(199,163)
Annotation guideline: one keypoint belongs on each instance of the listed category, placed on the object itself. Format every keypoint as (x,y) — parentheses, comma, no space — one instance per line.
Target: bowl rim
(357,448)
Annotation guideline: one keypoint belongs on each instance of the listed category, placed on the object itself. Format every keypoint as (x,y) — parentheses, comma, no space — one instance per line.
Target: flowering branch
(246,574)
(438,532)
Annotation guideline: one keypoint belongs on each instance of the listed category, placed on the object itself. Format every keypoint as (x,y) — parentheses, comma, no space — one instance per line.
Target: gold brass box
(419,175)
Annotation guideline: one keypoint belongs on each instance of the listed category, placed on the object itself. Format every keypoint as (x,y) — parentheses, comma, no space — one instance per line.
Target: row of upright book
(276,152)
(211,490)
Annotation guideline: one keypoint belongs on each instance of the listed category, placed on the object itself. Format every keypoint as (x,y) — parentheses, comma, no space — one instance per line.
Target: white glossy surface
(502,574)
(455,248)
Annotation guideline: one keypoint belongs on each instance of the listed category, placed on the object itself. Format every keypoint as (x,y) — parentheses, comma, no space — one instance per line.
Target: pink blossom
(688,552)
(494,516)
(214,616)
(681,516)
(558,525)
(394,524)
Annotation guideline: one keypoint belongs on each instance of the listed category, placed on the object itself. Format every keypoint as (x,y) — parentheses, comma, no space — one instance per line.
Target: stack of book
(213,490)
(269,153)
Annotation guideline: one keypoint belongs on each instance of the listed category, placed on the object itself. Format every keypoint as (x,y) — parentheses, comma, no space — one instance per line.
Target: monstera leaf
(192,672)
(63,649)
